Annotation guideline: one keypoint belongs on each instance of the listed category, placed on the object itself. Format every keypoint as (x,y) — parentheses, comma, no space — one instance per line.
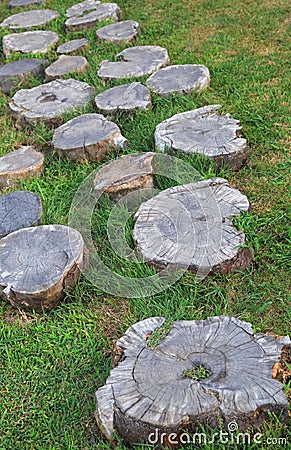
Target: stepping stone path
(49,101)
(29,19)
(103,11)
(204,131)
(14,3)
(29,42)
(11,74)
(126,97)
(135,62)
(19,164)
(189,227)
(37,264)
(182,79)
(65,65)
(207,372)
(18,210)
(125,174)
(72,46)
(90,136)
(119,32)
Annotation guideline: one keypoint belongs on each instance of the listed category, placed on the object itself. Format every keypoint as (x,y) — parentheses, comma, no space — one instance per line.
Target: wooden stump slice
(189,227)
(202,372)
(89,136)
(103,12)
(11,74)
(49,101)
(127,98)
(20,209)
(15,3)
(204,131)
(80,8)
(37,264)
(135,62)
(125,31)
(29,42)
(29,19)
(66,65)
(125,174)
(73,46)
(182,79)
(20,164)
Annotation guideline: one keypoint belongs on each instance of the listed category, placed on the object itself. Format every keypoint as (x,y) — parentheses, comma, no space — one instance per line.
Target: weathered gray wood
(80,8)
(29,19)
(12,73)
(125,31)
(37,264)
(125,174)
(102,12)
(126,98)
(15,3)
(181,78)
(49,101)
(189,227)
(29,42)
(89,136)
(135,62)
(66,65)
(19,164)
(72,46)
(150,392)
(204,131)
(18,210)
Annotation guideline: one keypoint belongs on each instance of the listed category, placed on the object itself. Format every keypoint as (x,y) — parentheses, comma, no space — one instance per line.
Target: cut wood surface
(103,11)
(126,97)
(29,19)
(190,227)
(29,42)
(119,32)
(66,65)
(89,136)
(15,72)
(204,131)
(37,264)
(20,209)
(73,46)
(15,3)
(203,371)
(19,164)
(80,8)
(135,62)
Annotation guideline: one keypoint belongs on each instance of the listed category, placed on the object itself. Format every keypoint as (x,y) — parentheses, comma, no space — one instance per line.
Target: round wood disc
(37,264)
(207,372)
(102,12)
(18,210)
(135,62)
(29,19)
(19,164)
(204,131)
(127,98)
(15,72)
(119,32)
(189,227)
(29,42)
(66,65)
(72,46)
(80,8)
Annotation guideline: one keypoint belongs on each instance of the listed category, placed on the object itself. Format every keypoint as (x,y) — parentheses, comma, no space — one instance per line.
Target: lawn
(52,363)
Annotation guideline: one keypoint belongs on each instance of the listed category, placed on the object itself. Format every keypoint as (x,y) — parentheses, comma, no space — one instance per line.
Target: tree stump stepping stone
(20,164)
(119,32)
(206,372)
(15,3)
(49,101)
(37,264)
(29,42)
(127,97)
(80,8)
(12,73)
(190,227)
(29,19)
(66,65)
(125,174)
(204,131)
(89,137)
(181,79)
(103,11)
(135,62)
(72,46)
(20,209)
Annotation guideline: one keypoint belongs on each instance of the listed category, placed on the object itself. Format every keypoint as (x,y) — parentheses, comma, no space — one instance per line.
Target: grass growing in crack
(197,373)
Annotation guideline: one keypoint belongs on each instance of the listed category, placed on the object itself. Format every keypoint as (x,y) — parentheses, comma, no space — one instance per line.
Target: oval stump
(15,72)
(103,11)
(19,164)
(119,32)
(29,42)
(29,19)
(66,65)
(72,46)
(126,98)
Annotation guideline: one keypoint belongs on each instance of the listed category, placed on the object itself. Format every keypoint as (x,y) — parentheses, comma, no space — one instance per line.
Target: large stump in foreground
(202,371)
(38,264)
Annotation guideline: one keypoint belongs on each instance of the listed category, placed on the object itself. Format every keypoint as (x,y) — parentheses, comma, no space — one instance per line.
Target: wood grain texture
(190,226)
(125,31)
(72,46)
(19,164)
(204,131)
(126,98)
(65,65)
(29,42)
(148,392)
(103,11)
(80,8)
(37,264)
(29,19)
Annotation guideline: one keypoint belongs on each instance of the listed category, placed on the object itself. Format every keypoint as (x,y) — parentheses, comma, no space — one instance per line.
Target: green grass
(53,363)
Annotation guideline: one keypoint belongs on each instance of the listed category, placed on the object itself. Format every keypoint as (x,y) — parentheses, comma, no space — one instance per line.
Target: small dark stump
(20,71)
(19,164)
(126,98)
(125,31)
(18,210)
(29,19)
(207,372)
(73,46)
(29,42)
(66,65)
